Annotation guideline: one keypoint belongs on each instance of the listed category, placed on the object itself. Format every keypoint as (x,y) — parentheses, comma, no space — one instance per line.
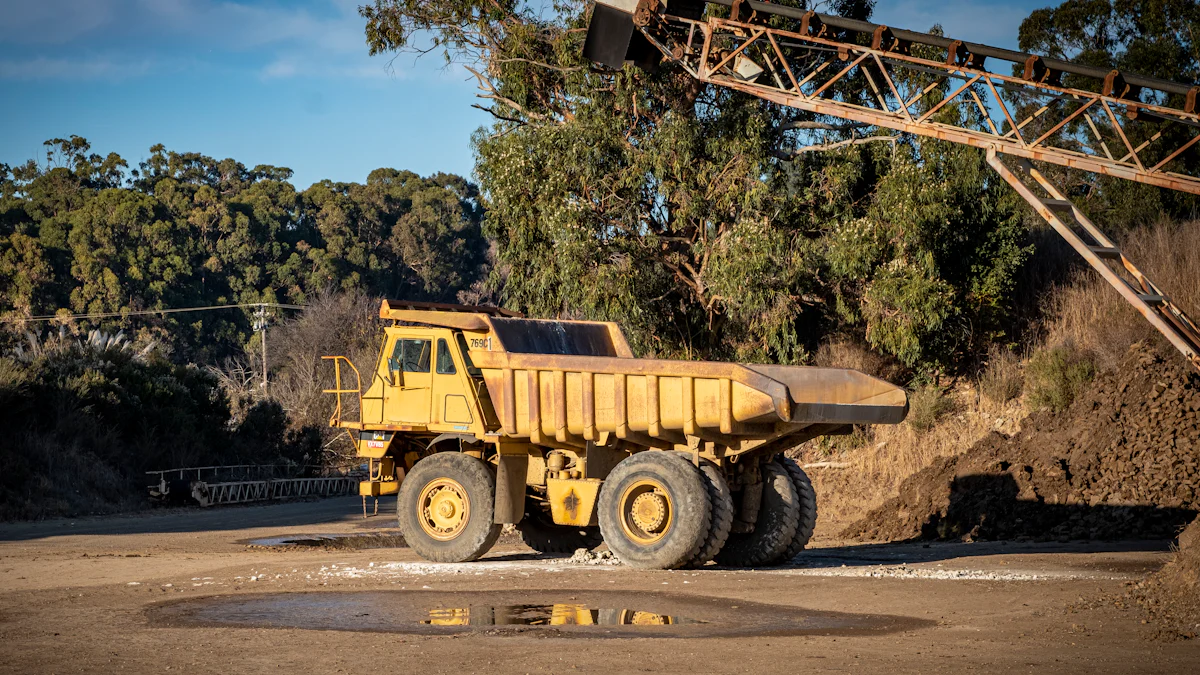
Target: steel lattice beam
(1075,128)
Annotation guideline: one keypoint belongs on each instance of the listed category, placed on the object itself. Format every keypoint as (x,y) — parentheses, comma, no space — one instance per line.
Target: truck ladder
(1103,255)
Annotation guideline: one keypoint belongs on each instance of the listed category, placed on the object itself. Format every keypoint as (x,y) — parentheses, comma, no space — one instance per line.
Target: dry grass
(1004,378)
(1089,324)
(856,480)
(1092,315)
(856,356)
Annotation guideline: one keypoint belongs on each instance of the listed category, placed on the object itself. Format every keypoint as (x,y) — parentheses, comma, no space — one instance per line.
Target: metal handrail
(336,417)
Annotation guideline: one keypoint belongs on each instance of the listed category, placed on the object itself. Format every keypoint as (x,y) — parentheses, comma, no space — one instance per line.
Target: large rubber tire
(543,535)
(688,516)
(722,512)
(808,507)
(778,520)
(477,535)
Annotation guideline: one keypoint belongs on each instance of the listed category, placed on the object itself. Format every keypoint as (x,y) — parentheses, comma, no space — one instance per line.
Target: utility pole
(260,325)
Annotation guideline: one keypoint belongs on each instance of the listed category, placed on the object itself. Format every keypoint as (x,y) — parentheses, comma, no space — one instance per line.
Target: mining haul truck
(476,417)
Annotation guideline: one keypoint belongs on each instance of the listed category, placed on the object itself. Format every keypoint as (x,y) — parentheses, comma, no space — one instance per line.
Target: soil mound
(1171,596)
(1122,462)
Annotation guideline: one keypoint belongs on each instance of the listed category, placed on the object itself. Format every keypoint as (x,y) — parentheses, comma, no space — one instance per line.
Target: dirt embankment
(1171,596)
(1122,462)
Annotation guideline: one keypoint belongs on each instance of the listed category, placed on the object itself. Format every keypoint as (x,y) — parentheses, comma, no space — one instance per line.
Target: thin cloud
(42,68)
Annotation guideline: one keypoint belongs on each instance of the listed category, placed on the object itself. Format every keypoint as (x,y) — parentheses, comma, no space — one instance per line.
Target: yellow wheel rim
(443,509)
(646,511)
(636,618)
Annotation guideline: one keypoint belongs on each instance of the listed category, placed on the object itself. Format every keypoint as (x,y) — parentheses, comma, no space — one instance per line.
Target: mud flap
(511,473)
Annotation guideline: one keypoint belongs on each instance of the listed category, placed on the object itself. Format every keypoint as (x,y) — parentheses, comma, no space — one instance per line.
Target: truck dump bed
(571,382)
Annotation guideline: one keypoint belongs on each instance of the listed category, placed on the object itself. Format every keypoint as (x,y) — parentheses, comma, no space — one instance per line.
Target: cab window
(466,355)
(411,356)
(445,362)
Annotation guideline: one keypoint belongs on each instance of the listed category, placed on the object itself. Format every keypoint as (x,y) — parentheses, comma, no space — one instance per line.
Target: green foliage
(85,418)
(1055,375)
(1158,38)
(679,209)
(82,234)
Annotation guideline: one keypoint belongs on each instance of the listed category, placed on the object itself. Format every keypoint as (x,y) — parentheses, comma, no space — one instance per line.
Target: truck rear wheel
(808,507)
(722,513)
(542,534)
(775,529)
(446,507)
(655,511)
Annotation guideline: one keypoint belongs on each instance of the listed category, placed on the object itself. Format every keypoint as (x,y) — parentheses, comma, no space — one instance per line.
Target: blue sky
(278,82)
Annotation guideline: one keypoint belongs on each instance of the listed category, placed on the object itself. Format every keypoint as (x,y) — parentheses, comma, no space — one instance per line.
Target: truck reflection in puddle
(558,614)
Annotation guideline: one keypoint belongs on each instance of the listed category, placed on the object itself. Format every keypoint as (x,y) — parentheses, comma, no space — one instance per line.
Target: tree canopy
(684,210)
(83,233)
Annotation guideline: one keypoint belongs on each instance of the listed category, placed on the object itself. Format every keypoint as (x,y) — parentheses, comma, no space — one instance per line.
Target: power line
(146,312)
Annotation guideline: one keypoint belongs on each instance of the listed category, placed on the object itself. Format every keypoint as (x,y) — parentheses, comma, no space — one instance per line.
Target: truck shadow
(986,516)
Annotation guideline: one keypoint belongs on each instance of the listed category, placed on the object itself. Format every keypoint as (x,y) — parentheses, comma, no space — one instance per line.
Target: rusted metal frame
(1004,109)
(1188,345)
(929,113)
(1080,218)
(874,88)
(783,61)
(774,73)
(839,76)
(702,72)
(978,139)
(892,85)
(928,88)
(1175,154)
(1036,114)
(1064,122)
(733,54)
(808,78)
(1020,83)
(1144,145)
(983,111)
(1096,133)
(1124,139)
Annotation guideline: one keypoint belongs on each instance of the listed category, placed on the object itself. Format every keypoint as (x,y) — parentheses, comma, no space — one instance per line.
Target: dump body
(567,383)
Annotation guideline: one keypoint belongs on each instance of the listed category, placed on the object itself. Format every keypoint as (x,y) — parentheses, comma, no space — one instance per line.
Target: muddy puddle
(339,541)
(564,613)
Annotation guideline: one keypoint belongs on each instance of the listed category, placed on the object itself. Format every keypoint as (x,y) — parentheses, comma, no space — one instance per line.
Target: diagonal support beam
(1145,296)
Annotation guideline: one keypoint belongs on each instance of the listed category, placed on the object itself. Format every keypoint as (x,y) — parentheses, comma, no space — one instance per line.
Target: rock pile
(1122,462)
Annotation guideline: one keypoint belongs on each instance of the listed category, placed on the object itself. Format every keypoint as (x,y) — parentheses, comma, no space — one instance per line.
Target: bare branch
(833,146)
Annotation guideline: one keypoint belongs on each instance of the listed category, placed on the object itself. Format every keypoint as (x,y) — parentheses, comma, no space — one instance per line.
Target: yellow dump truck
(477,417)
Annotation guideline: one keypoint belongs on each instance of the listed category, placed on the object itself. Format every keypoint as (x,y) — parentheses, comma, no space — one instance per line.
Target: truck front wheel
(655,512)
(446,508)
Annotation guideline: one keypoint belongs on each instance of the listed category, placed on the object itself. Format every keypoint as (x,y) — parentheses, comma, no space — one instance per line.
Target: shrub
(1056,375)
(1003,380)
(926,405)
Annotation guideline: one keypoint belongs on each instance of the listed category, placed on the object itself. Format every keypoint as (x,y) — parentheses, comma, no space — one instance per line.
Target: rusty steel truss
(913,86)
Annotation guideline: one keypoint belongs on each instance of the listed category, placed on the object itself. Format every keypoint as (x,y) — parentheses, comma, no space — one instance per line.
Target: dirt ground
(183,590)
